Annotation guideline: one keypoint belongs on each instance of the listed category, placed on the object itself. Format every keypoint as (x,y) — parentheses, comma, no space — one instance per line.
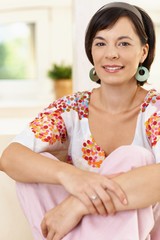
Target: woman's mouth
(112,68)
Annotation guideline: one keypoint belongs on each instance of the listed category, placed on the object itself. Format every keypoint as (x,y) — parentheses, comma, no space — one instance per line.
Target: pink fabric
(36,199)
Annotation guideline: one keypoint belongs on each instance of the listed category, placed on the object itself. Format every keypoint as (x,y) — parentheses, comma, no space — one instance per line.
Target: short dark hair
(107,17)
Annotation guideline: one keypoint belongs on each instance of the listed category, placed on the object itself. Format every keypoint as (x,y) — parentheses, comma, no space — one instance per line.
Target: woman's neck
(116,100)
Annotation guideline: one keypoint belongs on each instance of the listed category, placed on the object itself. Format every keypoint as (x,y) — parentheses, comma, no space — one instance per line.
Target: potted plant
(61,74)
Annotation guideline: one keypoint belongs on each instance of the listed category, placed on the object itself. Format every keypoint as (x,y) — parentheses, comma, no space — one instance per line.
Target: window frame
(30,89)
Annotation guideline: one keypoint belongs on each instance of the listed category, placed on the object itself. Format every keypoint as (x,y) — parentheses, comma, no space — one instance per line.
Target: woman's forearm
(142,188)
(24,165)
(141,185)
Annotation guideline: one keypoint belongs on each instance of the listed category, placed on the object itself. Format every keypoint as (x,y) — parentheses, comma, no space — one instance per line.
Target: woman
(110,137)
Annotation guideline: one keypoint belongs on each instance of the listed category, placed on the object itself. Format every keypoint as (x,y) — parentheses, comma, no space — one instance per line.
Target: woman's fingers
(61,219)
(86,200)
(98,202)
(102,202)
(107,202)
(116,189)
(50,235)
(44,228)
(84,185)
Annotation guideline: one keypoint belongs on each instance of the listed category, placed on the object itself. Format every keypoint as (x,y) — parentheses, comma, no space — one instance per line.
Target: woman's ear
(145,50)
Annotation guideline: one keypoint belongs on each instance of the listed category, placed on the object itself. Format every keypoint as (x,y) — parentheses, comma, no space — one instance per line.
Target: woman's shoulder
(70,105)
(151,111)
(72,101)
(151,101)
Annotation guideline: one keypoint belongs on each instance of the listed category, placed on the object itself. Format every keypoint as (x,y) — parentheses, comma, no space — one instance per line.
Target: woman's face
(117,52)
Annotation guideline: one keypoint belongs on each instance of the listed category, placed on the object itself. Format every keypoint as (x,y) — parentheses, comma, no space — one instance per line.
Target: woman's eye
(124,44)
(100,44)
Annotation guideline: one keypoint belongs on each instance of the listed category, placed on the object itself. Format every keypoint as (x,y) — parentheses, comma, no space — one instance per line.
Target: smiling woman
(116,46)
(91,154)
(82,71)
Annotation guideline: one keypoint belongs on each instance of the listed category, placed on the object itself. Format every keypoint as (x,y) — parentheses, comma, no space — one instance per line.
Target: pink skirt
(143,224)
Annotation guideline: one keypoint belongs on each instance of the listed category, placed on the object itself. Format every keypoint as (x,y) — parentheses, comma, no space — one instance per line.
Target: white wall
(15,112)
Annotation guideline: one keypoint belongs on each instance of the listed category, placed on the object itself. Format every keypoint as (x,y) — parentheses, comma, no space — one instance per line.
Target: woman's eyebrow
(119,38)
(126,37)
(98,37)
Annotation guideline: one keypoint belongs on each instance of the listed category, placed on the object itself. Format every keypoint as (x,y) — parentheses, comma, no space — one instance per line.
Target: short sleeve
(47,132)
(152,125)
(58,127)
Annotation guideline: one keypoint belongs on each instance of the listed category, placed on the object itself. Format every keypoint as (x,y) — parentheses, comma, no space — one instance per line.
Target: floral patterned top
(63,130)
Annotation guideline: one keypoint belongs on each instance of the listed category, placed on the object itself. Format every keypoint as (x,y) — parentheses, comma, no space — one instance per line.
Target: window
(17,51)
(24,51)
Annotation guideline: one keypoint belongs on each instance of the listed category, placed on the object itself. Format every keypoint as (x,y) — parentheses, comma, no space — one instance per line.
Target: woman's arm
(24,165)
(63,218)
(141,185)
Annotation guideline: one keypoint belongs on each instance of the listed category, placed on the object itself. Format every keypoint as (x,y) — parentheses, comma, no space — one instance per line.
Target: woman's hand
(63,218)
(91,188)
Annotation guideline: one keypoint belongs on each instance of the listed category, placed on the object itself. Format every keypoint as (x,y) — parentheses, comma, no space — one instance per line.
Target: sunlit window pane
(17,51)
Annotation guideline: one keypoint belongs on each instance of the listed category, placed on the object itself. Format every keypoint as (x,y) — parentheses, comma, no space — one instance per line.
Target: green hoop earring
(93,75)
(142,74)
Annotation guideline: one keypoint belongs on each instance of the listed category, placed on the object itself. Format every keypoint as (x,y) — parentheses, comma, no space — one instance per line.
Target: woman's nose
(111,52)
